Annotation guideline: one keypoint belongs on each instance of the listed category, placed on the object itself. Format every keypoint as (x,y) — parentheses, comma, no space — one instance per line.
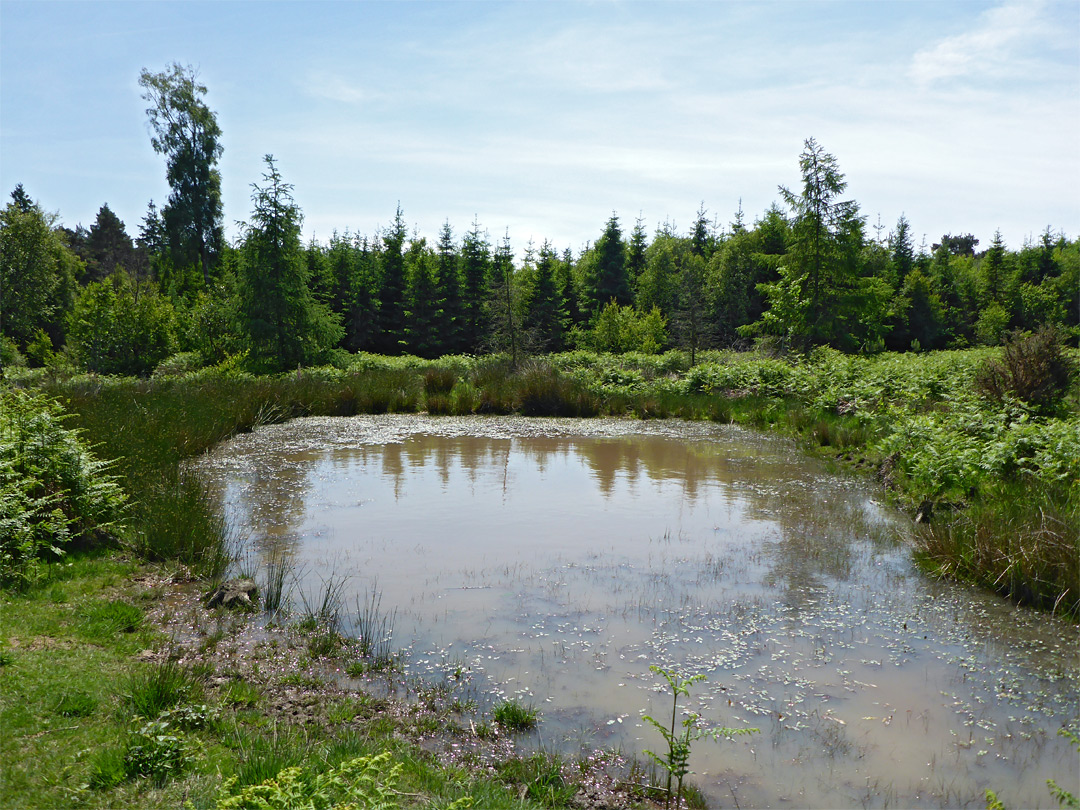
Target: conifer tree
(392,283)
(285,325)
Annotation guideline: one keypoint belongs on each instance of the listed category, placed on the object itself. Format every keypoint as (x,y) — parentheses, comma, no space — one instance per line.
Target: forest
(809,271)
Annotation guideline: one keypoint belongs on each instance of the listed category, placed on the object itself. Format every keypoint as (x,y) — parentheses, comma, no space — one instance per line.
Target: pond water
(554,560)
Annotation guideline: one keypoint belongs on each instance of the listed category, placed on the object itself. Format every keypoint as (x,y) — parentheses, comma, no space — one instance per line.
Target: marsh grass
(158,687)
(374,631)
(1024,545)
(514,715)
(278,566)
(543,775)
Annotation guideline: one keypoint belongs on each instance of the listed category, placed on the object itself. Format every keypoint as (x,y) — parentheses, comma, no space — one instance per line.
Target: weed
(241,694)
(515,716)
(158,751)
(676,762)
(75,703)
(107,768)
(375,631)
(159,687)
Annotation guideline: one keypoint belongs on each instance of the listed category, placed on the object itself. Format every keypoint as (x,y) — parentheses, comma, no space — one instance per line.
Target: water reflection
(557,559)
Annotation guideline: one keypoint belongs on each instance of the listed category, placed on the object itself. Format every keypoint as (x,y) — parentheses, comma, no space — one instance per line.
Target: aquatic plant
(676,762)
(515,715)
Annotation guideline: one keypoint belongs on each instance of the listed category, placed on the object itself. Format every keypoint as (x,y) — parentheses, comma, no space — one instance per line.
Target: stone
(234,594)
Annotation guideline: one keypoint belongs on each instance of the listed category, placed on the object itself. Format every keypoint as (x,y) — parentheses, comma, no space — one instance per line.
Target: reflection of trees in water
(274,495)
(816,523)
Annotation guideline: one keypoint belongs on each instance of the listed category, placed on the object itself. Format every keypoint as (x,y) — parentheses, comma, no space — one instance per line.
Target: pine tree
(452,311)
(609,281)
(392,283)
(285,325)
(475,276)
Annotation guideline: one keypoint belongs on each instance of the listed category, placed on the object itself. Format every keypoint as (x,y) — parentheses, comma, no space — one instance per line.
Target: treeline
(804,273)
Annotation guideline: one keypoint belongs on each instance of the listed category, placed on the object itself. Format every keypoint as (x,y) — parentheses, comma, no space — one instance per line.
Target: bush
(116,328)
(1036,369)
(53,492)
(367,782)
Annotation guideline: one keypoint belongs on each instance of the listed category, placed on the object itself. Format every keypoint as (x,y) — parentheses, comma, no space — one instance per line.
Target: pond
(555,560)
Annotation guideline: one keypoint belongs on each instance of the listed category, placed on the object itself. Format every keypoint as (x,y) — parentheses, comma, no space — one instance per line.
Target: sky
(542,119)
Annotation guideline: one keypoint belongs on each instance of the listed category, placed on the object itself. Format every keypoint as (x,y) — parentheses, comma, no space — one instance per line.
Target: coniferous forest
(809,271)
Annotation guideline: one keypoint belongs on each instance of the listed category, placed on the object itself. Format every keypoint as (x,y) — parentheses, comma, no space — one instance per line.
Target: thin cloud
(993,47)
(334,87)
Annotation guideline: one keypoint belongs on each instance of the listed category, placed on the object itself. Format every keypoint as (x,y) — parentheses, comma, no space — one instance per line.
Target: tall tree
(505,331)
(109,247)
(475,278)
(903,251)
(693,328)
(186,131)
(636,253)
(284,323)
(815,300)
(36,275)
(544,316)
(451,308)
(423,314)
(609,281)
(392,288)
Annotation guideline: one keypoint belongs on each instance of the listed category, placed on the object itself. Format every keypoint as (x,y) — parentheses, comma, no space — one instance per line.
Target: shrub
(53,492)
(1034,368)
(366,782)
(116,328)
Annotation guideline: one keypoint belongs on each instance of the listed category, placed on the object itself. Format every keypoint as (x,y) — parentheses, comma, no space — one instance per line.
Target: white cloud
(992,48)
(334,87)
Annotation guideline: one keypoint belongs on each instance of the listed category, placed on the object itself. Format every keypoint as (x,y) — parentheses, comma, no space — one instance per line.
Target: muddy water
(555,560)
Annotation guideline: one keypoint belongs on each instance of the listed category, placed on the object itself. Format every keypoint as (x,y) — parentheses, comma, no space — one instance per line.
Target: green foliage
(363,782)
(186,131)
(284,323)
(515,715)
(676,761)
(620,329)
(53,491)
(117,327)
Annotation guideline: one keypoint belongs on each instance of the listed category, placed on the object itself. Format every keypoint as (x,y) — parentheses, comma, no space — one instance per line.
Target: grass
(514,715)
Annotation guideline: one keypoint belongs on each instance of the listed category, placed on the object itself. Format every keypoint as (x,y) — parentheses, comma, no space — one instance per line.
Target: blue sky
(544,118)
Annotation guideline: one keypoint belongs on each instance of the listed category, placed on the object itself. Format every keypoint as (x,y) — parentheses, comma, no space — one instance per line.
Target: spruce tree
(284,324)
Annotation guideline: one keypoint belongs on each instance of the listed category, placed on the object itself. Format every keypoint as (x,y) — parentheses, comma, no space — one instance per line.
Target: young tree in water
(186,131)
(284,323)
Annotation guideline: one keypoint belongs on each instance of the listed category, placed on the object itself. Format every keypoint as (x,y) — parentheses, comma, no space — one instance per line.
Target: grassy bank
(994,480)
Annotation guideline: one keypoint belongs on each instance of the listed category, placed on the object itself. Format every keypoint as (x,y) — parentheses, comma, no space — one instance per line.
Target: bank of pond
(786,527)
